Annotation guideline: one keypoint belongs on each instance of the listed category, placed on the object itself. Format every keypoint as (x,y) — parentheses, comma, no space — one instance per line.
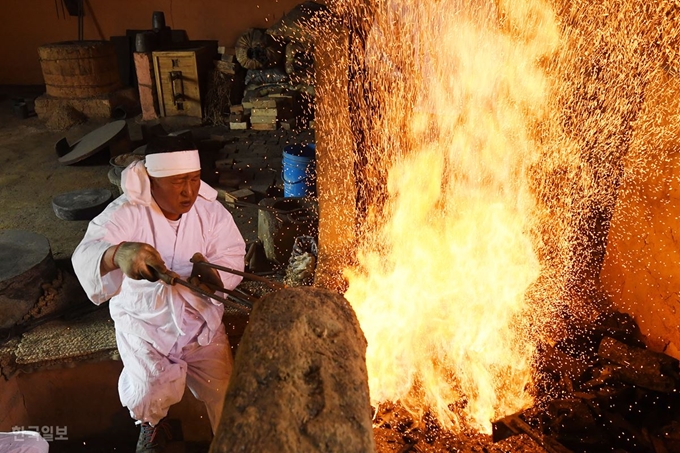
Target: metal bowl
(123,160)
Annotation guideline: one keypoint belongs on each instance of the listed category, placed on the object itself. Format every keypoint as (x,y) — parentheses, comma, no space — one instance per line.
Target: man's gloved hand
(139,261)
(204,277)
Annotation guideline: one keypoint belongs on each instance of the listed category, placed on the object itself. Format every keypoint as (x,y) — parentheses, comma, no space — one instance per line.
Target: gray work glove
(206,278)
(139,261)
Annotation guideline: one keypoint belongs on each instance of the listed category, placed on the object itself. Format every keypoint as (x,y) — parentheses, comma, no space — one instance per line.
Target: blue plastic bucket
(299,170)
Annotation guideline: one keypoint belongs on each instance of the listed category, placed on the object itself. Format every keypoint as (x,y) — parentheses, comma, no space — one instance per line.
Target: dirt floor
(31,176)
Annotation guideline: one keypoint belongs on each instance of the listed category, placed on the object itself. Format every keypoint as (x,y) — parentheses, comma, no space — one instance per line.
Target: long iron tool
(247,275)
(238,301)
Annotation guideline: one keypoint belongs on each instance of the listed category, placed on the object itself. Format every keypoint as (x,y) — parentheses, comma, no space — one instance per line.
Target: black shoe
(152,439)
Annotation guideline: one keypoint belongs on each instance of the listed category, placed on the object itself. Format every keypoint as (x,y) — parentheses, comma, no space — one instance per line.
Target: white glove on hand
(139,261)
(207,278)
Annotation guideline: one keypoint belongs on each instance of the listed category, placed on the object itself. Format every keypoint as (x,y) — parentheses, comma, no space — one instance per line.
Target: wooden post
(146,83)
(335,157)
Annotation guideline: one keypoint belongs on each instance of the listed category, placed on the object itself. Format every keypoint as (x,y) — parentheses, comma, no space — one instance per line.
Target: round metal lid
(20,251)
(93,142)
(81,204)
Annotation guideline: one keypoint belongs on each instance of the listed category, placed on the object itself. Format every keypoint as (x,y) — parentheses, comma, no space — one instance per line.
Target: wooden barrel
(79,69)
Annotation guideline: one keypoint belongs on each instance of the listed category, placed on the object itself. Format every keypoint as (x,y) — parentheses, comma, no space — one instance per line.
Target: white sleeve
(226,246)
(102,233)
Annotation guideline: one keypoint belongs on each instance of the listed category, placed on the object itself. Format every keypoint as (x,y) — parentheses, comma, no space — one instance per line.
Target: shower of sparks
(489,138)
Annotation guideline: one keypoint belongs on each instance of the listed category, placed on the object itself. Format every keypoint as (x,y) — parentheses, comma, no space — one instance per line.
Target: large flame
(442,271)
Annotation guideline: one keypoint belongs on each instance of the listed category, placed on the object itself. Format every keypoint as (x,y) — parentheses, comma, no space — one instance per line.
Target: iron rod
(237,304)
(257,278)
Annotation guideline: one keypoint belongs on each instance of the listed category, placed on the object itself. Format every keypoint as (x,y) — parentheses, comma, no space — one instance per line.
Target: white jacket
(154,310)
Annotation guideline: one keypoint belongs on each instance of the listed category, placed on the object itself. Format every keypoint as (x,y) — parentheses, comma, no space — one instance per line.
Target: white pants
(150,382)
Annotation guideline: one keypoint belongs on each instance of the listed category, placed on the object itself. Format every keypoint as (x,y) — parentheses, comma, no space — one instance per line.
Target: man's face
(175,195)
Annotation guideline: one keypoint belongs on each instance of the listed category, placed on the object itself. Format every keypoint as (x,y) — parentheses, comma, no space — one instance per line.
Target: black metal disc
(20,251)
(81,204)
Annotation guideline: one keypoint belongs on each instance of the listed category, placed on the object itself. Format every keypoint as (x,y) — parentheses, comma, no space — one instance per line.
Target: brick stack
(267,112)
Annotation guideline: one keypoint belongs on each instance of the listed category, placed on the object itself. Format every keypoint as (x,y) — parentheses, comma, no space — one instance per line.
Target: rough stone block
(299,382)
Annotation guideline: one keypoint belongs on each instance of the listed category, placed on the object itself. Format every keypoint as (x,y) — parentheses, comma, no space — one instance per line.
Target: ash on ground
(396,431)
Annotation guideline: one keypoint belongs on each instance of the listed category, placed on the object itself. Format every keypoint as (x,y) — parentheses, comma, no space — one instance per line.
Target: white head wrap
(173,163)
(137,187)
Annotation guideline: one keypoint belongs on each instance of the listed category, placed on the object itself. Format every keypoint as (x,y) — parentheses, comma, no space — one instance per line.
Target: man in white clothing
(168,336)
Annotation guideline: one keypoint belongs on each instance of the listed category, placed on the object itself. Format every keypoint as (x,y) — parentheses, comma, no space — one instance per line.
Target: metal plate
(20,251)
(95,141)
(81,204)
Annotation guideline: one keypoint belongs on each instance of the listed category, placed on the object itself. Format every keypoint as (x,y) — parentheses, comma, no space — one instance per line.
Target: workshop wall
(29,24)
(640,269)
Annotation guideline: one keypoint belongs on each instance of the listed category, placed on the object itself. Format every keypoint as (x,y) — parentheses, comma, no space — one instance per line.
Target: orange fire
(440,284)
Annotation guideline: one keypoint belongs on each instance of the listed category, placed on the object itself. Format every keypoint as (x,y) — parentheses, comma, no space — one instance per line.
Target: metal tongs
(237,300)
